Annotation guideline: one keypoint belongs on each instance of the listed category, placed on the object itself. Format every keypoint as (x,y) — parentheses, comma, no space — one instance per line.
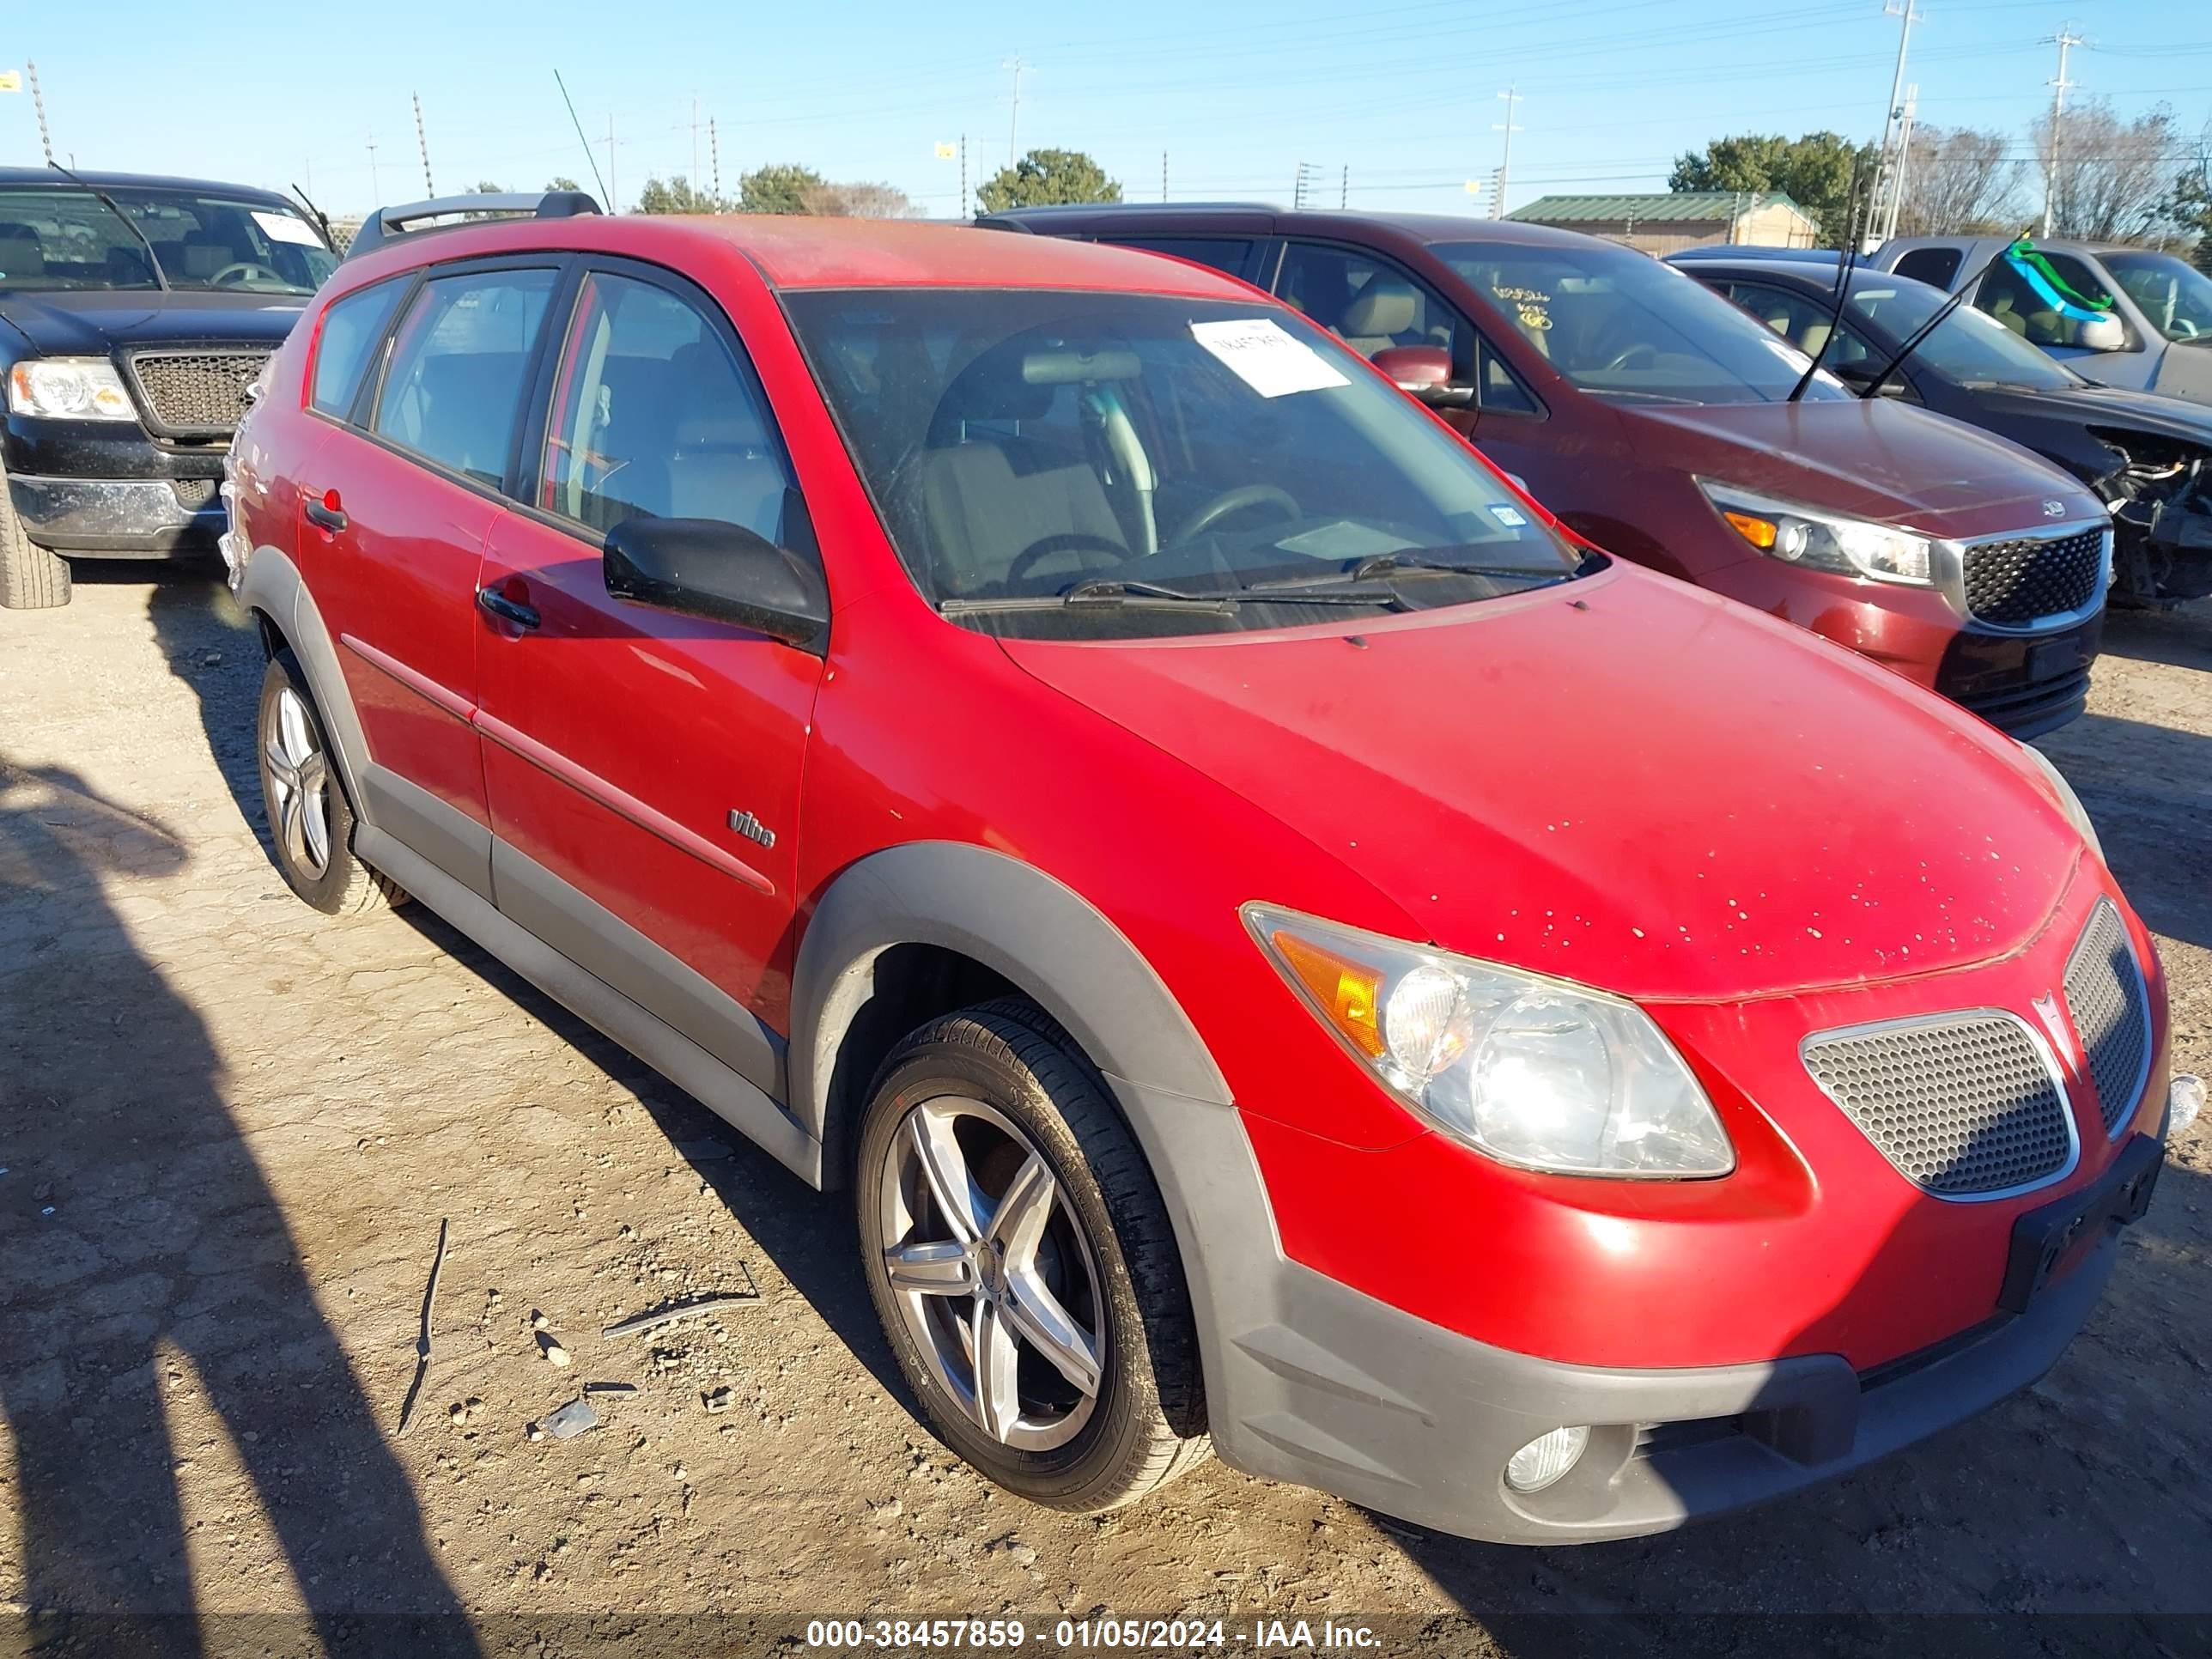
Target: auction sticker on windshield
(1259,354)
(285,227)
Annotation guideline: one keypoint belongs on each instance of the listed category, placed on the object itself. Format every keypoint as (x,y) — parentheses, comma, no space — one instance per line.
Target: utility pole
(1512,97)
(423,144)
(1903,160)
(1344,187)
(1298,187)
(614,196)
(2065,41)
(1013,106)
(965,209)
(375,189)
(1164,176)
(1893,162)
(714,157)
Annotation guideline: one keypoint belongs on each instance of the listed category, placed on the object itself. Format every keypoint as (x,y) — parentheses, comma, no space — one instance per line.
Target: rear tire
(311,823)
(30,579)
(1083,1285)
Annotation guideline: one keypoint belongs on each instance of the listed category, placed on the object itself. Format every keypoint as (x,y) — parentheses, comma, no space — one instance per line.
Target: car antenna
(1843,257)
(153,259)
(320,217)
(1958,297)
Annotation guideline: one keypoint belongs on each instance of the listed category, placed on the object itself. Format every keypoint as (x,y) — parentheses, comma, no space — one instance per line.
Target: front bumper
(1318,1384)
(2024,684)
(120,517)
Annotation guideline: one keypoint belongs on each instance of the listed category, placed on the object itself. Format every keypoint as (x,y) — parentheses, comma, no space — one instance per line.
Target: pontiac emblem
(2061,1039)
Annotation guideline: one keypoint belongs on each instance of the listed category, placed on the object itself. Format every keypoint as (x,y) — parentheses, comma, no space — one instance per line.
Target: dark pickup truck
(134,312)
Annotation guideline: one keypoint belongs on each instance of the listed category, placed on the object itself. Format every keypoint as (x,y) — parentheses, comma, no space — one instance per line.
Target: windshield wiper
(1097,592)
(1379,565)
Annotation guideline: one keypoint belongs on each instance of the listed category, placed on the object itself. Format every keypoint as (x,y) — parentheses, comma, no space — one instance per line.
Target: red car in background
(1656,420)
(1291,954)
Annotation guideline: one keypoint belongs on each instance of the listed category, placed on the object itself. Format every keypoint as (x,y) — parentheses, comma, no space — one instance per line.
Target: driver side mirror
(2100,334)
(722,572)
(1425,372)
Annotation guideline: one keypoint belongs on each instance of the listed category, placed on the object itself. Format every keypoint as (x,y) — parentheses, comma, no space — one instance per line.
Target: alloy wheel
(299,785)
(992,1274)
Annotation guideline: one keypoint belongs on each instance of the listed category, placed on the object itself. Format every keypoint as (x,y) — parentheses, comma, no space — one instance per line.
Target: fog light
(1545,1459)
(2184,1098)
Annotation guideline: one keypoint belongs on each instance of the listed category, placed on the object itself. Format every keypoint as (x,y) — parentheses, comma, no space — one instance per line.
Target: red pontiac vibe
(1290,953)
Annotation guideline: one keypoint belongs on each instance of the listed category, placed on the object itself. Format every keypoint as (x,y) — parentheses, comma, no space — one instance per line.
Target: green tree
(1815,172)
(489,187)
(677,195)
(1044,177)
(562,181)
(780,188)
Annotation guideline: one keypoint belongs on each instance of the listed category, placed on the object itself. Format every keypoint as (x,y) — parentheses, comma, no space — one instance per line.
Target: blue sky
(1399,97)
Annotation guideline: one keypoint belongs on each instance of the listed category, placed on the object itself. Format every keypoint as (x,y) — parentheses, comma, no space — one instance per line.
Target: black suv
(134,312)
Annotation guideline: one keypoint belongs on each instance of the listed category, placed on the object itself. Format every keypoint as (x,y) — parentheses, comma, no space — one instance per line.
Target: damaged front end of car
(2159,493)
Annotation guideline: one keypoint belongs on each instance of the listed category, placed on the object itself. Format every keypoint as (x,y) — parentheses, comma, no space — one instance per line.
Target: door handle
(508,611)
(325,513)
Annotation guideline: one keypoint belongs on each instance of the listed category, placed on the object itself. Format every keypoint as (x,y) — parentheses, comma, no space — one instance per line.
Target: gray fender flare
(272,585)
(1022,924)
(1052,943)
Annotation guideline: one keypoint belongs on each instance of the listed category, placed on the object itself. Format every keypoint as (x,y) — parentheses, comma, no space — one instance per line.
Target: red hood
(1869,459)
(1625,782)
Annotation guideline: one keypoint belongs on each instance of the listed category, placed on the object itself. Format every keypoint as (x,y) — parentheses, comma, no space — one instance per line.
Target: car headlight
(69,389)
(1530,1071)
(1821,541)
(2069,802)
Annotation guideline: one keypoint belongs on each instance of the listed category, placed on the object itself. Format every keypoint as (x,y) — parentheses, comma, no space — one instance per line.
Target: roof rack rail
(387,224)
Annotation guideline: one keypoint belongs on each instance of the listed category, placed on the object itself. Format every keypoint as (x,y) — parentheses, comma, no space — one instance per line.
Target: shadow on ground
(809,1237)
(145,1262)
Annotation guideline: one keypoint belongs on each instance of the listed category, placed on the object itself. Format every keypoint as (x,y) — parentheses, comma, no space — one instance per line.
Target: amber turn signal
(1345,990)
(1760,532)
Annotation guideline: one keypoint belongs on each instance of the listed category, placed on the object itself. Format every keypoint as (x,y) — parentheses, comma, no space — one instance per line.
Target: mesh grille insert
(197,392)
(1963,1105)
(2027,578)
(2105,994)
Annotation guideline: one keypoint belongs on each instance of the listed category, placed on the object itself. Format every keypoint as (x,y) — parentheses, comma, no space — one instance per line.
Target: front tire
(1004,1212)
(311,823)
(30,579)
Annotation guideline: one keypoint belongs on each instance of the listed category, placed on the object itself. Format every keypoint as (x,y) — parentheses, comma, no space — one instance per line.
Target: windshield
(2175,296)
(1088,465)
(1623,325)
(56,237)
(1968,346)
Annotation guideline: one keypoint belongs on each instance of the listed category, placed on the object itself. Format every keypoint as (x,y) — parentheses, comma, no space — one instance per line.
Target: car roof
(1801,274)
(20,178)
(794,252)
(1349,225)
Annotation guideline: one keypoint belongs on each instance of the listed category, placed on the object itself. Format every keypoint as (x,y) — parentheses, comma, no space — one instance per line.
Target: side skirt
(674,1055)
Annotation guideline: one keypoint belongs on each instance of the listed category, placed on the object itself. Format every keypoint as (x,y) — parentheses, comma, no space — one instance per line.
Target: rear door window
(1935,265)
(352,329)
(1228,254)
(459,363)
(654,415)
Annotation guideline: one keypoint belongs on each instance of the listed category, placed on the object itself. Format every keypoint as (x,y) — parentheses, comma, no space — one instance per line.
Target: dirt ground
(230,1128)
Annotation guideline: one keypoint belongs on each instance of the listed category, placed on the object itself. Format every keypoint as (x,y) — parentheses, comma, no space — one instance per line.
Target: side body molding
(456,844)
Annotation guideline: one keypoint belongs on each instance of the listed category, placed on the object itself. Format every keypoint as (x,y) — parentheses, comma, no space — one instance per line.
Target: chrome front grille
(194,393)
(2028,577)
(1966,1105)
(2105,994)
